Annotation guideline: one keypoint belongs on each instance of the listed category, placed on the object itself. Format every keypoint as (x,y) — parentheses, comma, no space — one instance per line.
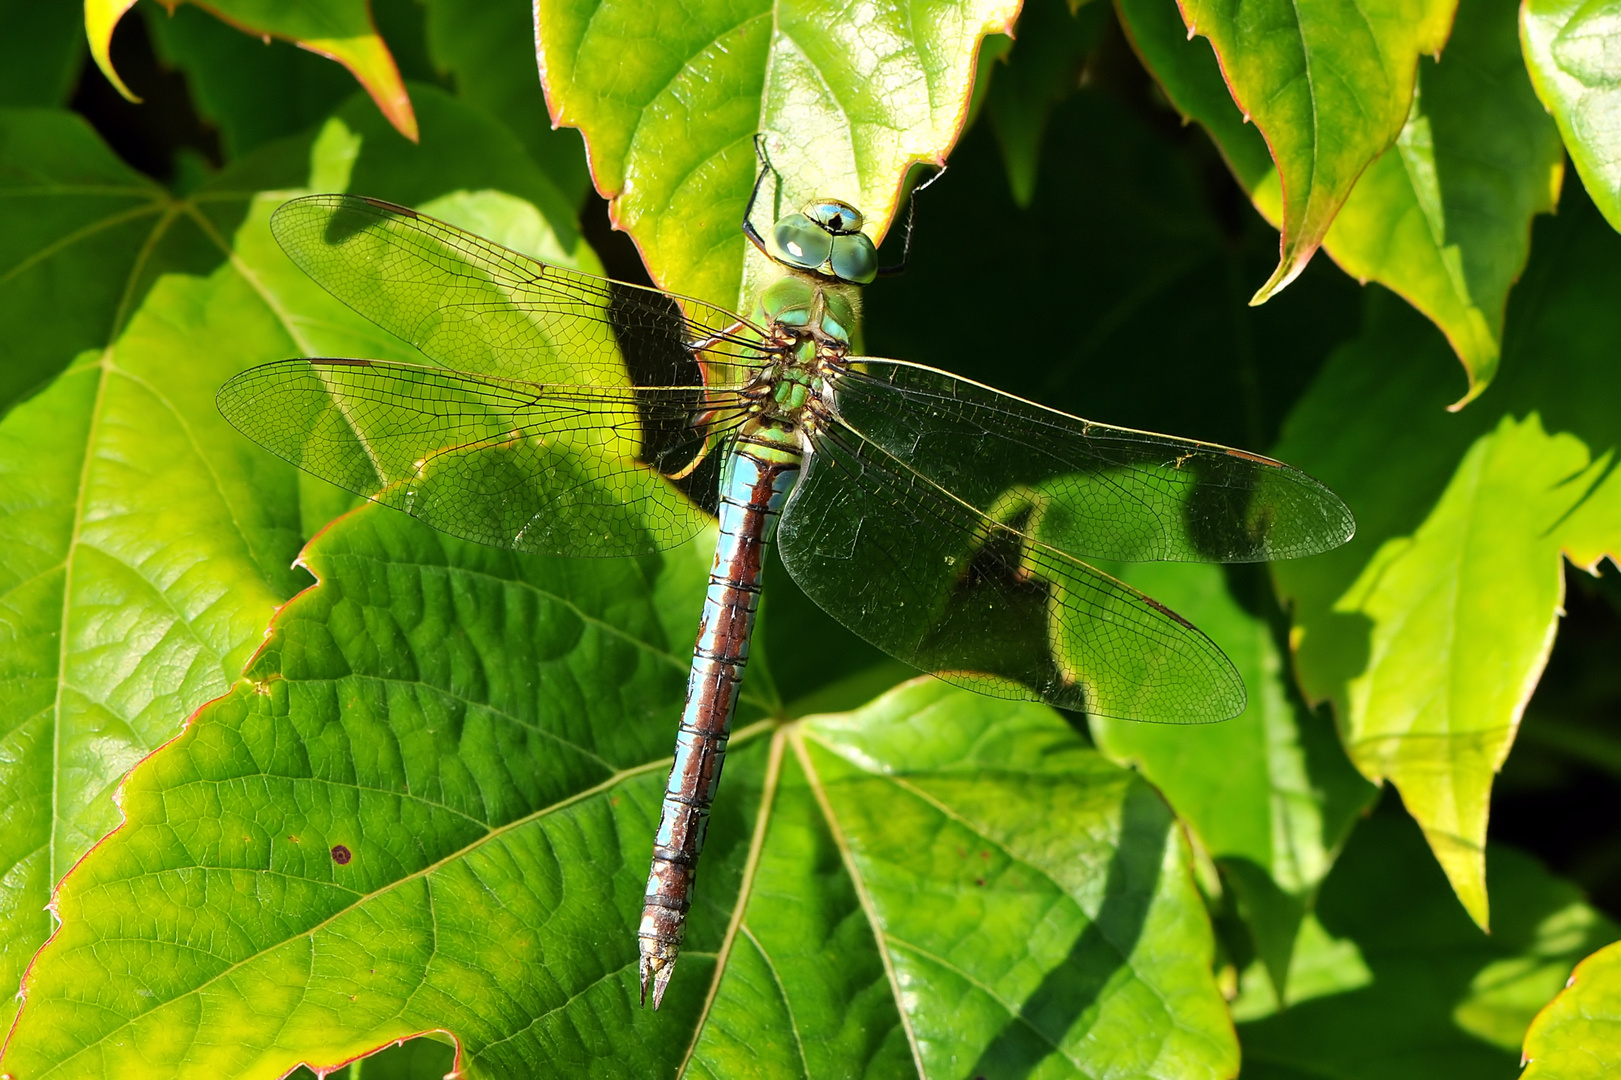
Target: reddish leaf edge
(1290,266)
(554,110)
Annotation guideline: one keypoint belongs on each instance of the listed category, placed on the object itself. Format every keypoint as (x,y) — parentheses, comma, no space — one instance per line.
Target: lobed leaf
(1329,84)
(1429,630)
(82,237)
(1579,1034)
(428,806)
(146,543)
(341,31)
(1442,217)
(669,98)
(1571,54)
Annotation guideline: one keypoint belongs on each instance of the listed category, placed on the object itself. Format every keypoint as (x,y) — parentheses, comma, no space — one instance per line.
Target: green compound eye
(798,241)
(855,259)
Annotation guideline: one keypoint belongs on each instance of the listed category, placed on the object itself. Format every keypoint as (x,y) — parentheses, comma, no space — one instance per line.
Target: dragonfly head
(825,238)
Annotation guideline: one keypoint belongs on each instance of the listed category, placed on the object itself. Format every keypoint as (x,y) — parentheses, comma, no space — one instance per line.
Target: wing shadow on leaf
(1072,987)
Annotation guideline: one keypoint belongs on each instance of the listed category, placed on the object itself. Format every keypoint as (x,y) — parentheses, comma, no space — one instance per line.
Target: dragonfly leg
(766,169)
(911,220)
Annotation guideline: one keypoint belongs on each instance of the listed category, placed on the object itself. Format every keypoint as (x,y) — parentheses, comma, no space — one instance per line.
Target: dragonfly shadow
(1073,989)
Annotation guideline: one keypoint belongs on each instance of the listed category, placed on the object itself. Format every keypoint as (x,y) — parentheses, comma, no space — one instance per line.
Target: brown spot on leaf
(341,855)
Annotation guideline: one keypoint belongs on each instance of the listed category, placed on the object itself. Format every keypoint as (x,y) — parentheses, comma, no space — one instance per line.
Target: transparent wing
(934,582)
(477,307)
(1088,489)
(552,469)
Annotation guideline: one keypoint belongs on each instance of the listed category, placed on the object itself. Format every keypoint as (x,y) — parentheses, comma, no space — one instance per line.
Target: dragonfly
(944,521)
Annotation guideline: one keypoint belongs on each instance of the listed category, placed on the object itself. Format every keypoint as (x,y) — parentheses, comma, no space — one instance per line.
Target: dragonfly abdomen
(760,472)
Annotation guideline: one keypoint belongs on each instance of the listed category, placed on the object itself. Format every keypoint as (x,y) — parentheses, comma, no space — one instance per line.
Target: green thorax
(809,313)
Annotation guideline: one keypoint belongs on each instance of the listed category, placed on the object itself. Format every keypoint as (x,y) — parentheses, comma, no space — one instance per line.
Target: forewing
(551,469)
(477,307)
(1088,489)
(932,581)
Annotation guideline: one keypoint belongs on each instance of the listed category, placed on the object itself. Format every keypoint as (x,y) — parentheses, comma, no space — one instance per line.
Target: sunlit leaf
(1570,50)
(670,96)
(1429,630)
(1329,84)
(1443,216)
(1578,1036)
(146,543)
(429,804)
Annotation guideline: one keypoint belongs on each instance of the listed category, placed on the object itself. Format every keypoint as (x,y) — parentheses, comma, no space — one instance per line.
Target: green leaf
(252,90)
(145,543)
(82,237)
(436,723)
(1329,85)
(1578,1035)
(483,734)
(1400,985)
(1442,217)
(1035,899)
(143,549)
(342,31)
(1571,53)
(670,96)
(1269,794)
(488,46)
(1429,630)
(40,52)
(1043,68)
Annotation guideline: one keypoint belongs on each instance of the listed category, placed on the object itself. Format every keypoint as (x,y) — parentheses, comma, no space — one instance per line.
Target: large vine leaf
(145,544)
(82,237)
(1270,794)
(1578,1036)
(1394,981)
(670,96)
(1443,216)
(1570,49)
(341,31)
(1429,630)
(1329,85)
(428,806)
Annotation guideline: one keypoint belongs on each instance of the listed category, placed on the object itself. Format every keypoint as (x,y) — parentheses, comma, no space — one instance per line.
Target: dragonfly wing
(475,306)
(931,580)
(1092,490)
(552,469)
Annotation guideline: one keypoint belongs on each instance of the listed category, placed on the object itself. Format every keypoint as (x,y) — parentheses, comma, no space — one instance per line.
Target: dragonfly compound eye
(838,218)
(854,259)
(798,241)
